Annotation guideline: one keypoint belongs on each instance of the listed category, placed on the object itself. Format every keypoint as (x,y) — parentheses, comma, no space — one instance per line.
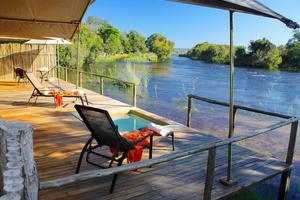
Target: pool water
(130,123)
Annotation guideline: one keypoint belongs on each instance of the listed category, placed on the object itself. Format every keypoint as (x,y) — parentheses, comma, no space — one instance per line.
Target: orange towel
(136,154)
(59,96)
(58,100)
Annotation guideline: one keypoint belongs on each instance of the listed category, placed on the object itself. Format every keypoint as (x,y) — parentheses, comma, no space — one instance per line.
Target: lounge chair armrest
(143,138)
(51,90)
(47,91)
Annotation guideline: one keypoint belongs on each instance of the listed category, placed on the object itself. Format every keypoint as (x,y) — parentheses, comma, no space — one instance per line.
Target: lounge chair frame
(122,146)
(37,92)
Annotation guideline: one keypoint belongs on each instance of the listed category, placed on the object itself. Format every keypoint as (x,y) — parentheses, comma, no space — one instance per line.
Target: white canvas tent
(41,19)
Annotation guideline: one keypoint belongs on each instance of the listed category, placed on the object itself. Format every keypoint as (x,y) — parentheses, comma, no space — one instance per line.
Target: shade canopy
(54,41)
(243,6)
(41,19)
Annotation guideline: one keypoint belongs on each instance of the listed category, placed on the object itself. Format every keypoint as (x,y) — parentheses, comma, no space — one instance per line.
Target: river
(163,89)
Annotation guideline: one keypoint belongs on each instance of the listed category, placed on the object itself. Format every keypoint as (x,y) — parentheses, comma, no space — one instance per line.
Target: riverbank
(285,69)
(260,53)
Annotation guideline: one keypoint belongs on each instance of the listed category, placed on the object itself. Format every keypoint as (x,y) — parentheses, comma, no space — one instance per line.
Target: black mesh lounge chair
(105,133)
(42,91)
(20,73)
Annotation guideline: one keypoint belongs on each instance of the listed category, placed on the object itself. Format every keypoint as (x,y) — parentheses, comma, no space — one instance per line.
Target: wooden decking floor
(59,137)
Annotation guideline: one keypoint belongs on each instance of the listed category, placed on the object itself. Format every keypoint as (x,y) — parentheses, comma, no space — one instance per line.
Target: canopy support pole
(228,179)
(78,58)
(57,61)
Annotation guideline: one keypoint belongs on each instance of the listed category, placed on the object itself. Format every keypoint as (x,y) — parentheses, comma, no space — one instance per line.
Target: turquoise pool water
(130,122)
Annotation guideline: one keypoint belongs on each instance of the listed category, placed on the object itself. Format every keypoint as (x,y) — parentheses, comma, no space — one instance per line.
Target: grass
(146,57)
(138,57)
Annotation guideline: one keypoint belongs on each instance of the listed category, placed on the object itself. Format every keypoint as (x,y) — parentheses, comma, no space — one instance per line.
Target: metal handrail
(235,107)
(101,81)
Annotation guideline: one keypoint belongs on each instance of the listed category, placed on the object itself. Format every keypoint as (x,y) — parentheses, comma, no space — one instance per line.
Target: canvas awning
(41,19)
(244,6)
(52,41)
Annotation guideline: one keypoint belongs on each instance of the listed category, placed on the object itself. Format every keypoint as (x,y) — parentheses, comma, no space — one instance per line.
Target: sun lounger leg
(120,162)
(173,141)
(87,103)
(30,97)
(82,153)
(113,158)
(151,147)
(36,99)
(29,100)
(81,101)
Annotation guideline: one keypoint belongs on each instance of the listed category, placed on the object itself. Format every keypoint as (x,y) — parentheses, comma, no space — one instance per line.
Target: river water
(163,89)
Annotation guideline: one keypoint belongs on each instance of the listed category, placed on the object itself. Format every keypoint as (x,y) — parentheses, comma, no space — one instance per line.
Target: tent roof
(244,6)
(41,19)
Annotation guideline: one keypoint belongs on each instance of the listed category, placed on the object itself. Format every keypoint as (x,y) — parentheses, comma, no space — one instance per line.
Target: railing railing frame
(210,147)
(285,180)
(101,81)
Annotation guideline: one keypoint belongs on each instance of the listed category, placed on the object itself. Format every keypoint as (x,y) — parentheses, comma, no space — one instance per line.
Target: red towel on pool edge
(136,154)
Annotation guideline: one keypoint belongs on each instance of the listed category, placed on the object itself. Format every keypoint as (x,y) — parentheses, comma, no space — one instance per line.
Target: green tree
(241,56)
(291,53)
(211,53)
(137,42)
(160,45)
(296,37)
(90,45)
(95,23)
(264,54)
(125,43)
(112,39)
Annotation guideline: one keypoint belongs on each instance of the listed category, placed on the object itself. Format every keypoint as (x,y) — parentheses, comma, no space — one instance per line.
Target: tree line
(259,54)
(100,40)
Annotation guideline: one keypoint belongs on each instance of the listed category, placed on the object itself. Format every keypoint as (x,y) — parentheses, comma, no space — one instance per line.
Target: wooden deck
(59,137)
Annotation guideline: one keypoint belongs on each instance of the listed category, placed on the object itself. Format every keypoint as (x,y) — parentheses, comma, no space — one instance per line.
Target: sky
(188,25)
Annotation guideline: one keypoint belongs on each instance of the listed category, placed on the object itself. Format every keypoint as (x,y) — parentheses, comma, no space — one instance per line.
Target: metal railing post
(211,161)
(66,74)
(189,112)
(101,85)
(80,79)
(57,72)
(286,176)
(134,95)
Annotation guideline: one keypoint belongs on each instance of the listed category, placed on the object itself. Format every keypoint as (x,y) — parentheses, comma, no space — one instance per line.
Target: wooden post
(210,173)
(80,79)
(101,82)
(134,95)
(66,74)
(286,176)
(189,112)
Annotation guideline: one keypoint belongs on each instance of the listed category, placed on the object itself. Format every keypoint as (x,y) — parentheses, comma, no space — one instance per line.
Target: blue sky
(189,25)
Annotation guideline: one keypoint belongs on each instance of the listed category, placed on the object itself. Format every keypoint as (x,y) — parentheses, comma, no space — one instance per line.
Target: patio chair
(105,133)
(42,91)
(20,73)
